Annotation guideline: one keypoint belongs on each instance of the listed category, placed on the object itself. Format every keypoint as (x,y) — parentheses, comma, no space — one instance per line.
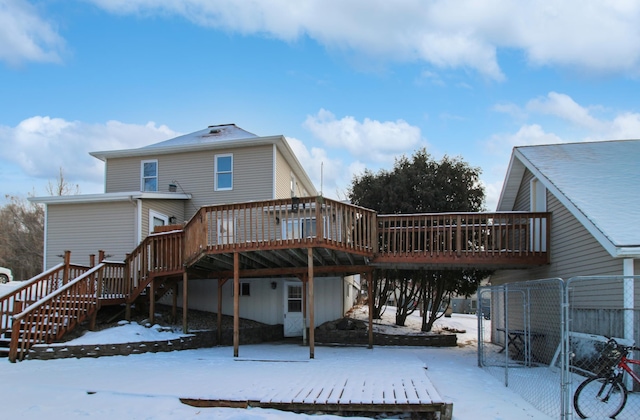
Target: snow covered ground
(149,386)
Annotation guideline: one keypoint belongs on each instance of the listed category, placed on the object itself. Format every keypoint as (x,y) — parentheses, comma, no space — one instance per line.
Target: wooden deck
(346,392)
(297,237)
(272,237)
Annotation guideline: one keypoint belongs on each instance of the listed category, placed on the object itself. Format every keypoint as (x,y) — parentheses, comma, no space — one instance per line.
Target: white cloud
(25,35)
(369,140)
(563,106)
(600,36)
(40,146)
(329,175)
(624,125)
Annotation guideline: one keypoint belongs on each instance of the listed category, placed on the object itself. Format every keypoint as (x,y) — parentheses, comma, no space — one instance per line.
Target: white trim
(106,197)
(46,231)
(142,177)
(138,220)
(275,171)
(215,171)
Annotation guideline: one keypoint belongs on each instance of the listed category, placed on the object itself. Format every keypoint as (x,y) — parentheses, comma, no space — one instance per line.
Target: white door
(293,320)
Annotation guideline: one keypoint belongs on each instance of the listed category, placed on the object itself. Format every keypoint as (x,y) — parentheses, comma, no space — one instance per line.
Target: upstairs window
(149,175)
(223,172)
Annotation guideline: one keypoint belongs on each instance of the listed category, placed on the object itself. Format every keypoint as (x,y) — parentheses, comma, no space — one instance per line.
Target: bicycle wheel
(599,398)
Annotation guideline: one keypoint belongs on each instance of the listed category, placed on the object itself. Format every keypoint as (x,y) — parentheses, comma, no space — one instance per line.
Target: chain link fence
(544,338)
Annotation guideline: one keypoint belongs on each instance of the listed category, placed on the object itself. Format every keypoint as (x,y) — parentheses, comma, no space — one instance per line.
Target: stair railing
(58,312)
(37,287)
(159,254)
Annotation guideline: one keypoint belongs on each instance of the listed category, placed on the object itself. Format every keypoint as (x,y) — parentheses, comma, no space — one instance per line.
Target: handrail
(33,289)
(505,234)
(159,254)
(52,315)
(272,224)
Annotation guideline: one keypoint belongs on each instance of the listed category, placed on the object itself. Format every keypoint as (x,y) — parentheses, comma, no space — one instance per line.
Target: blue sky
(351,84)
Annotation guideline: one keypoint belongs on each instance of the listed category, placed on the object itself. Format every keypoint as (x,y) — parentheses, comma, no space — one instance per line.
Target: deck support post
(185,301)
(311,306)
(236,303)
(152,301)
(129,282)
(370,298)
(303,279)
(221,283)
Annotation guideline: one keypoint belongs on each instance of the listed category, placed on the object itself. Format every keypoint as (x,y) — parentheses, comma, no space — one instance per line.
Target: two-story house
(166,184)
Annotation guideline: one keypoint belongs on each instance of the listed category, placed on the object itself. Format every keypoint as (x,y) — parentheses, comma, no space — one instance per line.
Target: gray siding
(574,252)
(194,174)
(166,207)
(523,199)
(283,177)
(85,229)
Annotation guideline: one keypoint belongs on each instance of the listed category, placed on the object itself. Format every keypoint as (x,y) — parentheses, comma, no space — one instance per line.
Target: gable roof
(598,182)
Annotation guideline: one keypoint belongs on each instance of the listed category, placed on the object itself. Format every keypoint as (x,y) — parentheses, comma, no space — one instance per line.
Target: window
(245,289)
(223,172)
(293,185)
(149,175)
(299,228)
(294,298)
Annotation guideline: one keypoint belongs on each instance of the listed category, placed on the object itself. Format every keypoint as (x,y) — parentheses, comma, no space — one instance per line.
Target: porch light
(295,203)
(274,285)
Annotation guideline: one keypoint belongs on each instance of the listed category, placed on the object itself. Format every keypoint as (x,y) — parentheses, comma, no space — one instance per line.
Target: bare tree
(62,186)
(22,230)
(21,237)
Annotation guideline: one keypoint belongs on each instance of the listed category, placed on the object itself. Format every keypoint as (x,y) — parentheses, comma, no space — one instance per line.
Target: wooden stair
(51,304)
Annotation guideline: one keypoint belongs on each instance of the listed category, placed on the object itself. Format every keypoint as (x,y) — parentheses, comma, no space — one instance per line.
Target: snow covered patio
(337,380)
(151,385)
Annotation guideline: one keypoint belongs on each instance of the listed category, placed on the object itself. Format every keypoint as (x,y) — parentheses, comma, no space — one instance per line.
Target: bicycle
(605,395)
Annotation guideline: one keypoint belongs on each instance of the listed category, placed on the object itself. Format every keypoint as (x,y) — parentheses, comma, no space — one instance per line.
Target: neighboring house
(167,183)
(592,191)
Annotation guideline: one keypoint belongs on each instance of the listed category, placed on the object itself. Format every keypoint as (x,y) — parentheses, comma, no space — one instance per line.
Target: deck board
(408,391)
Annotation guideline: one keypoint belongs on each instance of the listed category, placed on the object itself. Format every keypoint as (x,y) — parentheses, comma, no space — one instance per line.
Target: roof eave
(109,197)
(152,151)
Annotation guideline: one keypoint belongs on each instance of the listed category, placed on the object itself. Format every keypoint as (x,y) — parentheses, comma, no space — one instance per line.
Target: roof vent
(215,131)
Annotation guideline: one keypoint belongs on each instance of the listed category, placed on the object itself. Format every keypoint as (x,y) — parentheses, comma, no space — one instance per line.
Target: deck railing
(59,311)
(454,235)
(159,254)
(273,224)
(35,288)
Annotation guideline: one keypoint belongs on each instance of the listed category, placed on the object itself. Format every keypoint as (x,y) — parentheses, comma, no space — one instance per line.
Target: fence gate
(519,340)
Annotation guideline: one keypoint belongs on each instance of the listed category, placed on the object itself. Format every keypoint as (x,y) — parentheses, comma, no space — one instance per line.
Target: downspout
(44,247)
(137,220)
(275,172)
